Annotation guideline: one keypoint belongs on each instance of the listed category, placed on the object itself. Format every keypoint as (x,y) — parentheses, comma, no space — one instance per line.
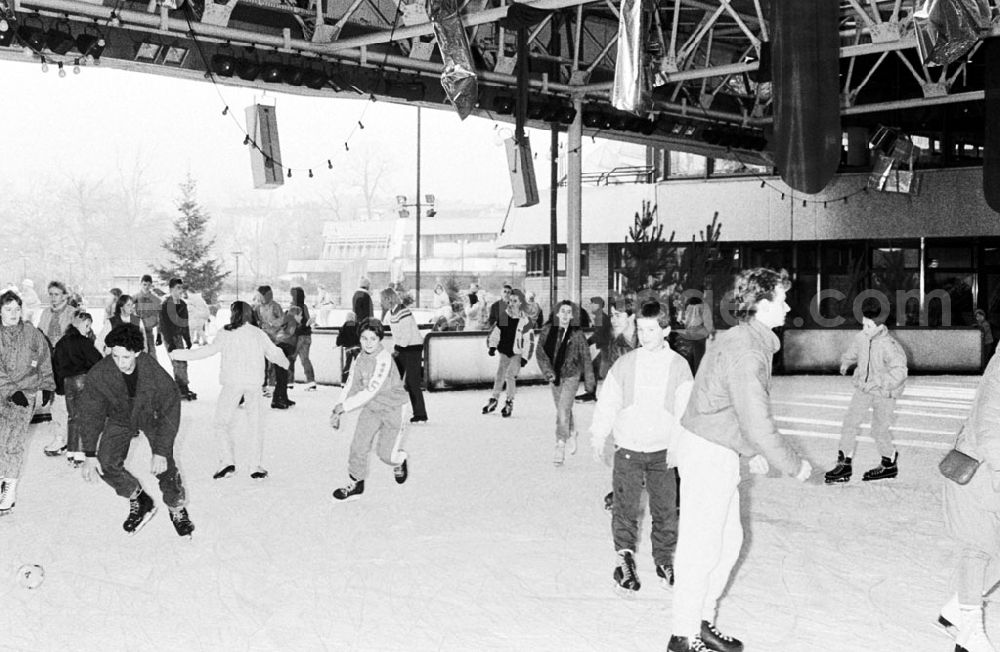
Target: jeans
(882,418)
(74,390)
(507,370)
(563,395)
(150,343)
(409,362)
(302,353)
(111,453)
(631,470)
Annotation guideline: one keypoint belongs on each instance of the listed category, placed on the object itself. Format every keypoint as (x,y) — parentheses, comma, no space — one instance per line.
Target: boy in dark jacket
(176,335)
(125,393)
(72,358)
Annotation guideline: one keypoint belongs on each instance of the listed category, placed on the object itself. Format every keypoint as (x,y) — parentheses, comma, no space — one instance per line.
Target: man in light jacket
(879,375)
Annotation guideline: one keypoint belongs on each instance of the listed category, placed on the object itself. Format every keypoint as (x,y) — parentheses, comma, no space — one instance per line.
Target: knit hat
(598,300)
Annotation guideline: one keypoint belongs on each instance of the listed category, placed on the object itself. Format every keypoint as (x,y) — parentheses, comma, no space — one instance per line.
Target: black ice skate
(259,474)
(716,640)
(685,644)
(224,472)
(884,471)
(666,574)
(181,522)
(508,408)
(841,472)
(351,491)
(401,472)
(491,406)
(141,509)
(625,575)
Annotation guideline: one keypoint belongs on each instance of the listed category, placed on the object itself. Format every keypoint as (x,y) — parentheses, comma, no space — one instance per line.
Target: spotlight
(503,104)
(592,118)
(7,31)
(292,76)
(59,40)
(566,114)
(315,79)
(536,111)
(90,46)
(4,25)
(62,71)
(223,65)
(32,37)
(271,73)
(247,69)
(647,127)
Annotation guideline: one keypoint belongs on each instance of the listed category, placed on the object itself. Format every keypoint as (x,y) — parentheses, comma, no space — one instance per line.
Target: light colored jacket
(25,361)
(65,319)
(881,363)
(374,384)
(243,352)
(731,403)
(405,331)
(980,435)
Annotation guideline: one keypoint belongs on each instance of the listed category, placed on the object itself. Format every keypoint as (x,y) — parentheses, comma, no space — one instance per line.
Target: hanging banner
(805,65)
(459,76)
(631,90)
(991,123)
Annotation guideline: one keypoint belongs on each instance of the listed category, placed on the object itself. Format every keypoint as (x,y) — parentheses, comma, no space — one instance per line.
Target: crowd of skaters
(671,427)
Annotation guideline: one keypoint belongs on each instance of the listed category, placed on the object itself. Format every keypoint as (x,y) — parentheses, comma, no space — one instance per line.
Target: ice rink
(487,547)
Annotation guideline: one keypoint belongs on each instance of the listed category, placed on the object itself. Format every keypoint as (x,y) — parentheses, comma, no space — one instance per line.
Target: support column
(574,206)
(553,217)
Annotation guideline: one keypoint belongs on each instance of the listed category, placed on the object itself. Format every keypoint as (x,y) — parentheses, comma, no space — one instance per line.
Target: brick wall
(594,284)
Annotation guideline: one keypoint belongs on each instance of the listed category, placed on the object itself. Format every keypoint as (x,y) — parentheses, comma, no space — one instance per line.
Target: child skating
(375,388)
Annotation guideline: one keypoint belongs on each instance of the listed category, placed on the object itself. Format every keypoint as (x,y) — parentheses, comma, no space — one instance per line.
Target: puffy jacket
(374,383)
(25,361)
(731,404)
(881,363)
(75,354)
(980,436)
(576,359)
(269,315)
(65,319)
(524,337)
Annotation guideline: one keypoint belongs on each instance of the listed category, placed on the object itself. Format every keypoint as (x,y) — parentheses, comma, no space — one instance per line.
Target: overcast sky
(87,124)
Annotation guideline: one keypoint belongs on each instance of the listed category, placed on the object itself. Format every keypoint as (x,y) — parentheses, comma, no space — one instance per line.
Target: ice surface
(487,547)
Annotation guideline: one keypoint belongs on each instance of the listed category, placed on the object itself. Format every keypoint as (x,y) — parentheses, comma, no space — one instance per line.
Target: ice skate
(625,576)
(972,632)
(182,523)
(141,509)
(560,454)
(491,406)
(841,472)
(259,474)
(508,408)
(55,448)
(402,472)
(571,443)
(351,491)
(884,471)
(224,472)
(666,574)
(609,501)
(685,644)
(311,387)
(716,640)
(8,495)
(949,617)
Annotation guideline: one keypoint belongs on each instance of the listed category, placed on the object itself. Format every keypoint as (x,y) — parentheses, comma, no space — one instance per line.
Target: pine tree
(190,249)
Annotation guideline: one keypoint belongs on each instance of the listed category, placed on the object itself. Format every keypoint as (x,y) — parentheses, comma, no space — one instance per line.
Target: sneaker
(685,644)
(351,491)
(311,387)
(625,575)
(224,472)
(8,496)
(491,406)
(508,408)
(884,471)
(141,509)
(183,524)
(560,454)
(401,472)
(259,474)
(666,574)
(841,472)
(716,640)
(586,397)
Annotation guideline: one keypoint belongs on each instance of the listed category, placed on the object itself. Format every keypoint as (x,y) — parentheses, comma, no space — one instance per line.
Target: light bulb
(62,71)
(76,67)
(4,25)
(45,66)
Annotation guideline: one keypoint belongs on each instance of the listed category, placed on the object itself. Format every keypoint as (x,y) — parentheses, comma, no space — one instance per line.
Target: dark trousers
(350,355)
(181,375)
(409,362)
(631,470)
(74,389)
(281,375)
(111,453)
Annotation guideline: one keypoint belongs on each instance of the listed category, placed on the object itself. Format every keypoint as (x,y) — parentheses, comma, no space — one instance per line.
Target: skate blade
(837,481)
(665,585)
(7,512)
(55,453)
(627,594)
(554,463)
(143,522)
(945,627)
(884,477)
(349,499)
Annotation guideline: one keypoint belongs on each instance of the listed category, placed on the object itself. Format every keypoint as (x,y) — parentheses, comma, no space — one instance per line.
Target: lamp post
(237,254)
(417,281)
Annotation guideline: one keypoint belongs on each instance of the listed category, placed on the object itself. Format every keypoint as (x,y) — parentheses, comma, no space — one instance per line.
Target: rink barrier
(928,350)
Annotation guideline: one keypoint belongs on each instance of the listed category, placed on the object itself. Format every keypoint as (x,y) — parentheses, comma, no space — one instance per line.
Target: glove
(804,471)
(47,396)
(18,398)
(759,465)
(524,362)
(492,351)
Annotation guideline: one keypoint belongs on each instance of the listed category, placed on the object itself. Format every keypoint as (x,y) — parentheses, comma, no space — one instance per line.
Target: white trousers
(225,413)
(710,534)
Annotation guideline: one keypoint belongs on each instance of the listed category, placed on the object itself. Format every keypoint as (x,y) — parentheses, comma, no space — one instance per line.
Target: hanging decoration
(631,91)
(459,76)
(947,29)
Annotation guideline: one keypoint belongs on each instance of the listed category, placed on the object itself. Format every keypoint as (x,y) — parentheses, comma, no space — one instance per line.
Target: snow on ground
(487,547)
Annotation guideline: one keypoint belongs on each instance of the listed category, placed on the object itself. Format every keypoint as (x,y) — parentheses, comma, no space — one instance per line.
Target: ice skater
(879,375)
(640,404)
(25,368)
(729,415)
(244,347)
(375,388)
(126,393)
(563,357)
(513,337)
(972,519)
(72,358)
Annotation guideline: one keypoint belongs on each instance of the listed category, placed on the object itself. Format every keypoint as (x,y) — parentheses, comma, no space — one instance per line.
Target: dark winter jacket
(731,405)
(361,304)
(566,359)
(25,361)
(347,336)
(601,337)
(156,409)
(75,354)
(299,299)
(288,331)
(174,324)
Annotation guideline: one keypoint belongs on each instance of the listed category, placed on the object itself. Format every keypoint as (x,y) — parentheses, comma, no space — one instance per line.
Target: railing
(617,176)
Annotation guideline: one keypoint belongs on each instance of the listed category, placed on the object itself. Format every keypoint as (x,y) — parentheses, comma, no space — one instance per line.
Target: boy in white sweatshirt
(375,387)
(640,404)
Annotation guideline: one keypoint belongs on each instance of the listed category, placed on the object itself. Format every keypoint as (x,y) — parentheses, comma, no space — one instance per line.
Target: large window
(538,260)
(682,165)
(896,275)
